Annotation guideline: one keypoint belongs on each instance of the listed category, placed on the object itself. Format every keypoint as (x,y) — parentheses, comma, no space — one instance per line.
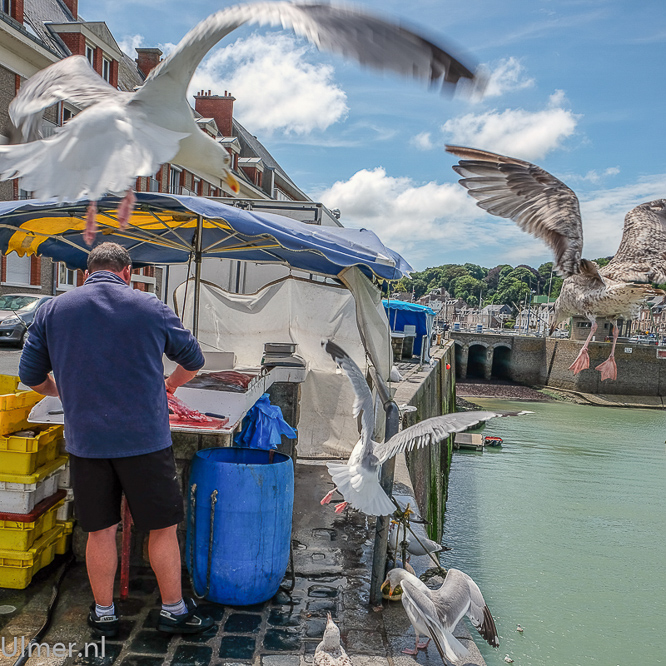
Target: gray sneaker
(192,622)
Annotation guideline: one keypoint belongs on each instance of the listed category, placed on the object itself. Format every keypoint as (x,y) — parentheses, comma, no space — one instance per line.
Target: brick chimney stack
(218,107)
(148,59)
(73,6)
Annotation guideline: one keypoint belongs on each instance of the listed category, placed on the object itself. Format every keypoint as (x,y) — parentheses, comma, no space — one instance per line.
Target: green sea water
(564,530)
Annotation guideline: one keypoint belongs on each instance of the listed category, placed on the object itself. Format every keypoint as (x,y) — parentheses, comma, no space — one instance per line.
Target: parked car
(16,314)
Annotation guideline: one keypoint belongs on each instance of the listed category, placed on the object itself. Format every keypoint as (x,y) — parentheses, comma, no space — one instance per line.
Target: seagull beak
(384,584)
(231,181)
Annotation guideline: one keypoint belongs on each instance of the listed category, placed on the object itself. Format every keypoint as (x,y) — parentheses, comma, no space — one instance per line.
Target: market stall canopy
(421,317)
(163,230)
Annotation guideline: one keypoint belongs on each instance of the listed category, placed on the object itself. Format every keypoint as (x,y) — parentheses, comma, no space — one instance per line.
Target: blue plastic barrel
(251,512)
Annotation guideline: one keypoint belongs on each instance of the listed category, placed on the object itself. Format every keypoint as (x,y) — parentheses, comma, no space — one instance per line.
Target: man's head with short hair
(108,257)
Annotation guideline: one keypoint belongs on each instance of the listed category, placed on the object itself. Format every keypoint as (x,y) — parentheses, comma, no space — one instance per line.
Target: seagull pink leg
(126,208)
(416,647)
(341,507)
(91,224)
(582,361)
(327,497)
(423,646)
(608,368)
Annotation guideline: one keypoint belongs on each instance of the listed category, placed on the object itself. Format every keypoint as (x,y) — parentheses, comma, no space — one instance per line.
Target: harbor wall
(431,389)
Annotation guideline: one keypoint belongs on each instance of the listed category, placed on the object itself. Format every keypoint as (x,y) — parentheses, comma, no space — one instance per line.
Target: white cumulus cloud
(423,141)
(515,132)
(507,75)
(130,42)
(276,88)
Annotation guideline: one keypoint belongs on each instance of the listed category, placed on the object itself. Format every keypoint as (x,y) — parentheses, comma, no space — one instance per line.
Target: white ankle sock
(105,610)
(176,609)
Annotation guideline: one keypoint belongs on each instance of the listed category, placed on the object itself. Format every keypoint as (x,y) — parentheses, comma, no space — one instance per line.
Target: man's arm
(47,387)
(177,378)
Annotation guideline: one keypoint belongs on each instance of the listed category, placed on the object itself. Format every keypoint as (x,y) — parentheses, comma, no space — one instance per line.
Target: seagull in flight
(357,480)
(436,613)
(119,136)
(545,207)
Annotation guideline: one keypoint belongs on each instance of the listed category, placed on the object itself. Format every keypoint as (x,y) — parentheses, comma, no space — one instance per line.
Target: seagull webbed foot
(410,651)
(582,361)
(608,369)
(341,507)
(423,646)
(326,499)
(90,230)
(126,208)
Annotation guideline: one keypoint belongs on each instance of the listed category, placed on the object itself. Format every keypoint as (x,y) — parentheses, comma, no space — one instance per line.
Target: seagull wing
(460,595)
(536,201)
(71,79)
(641,256)
(351,32)
(423,613)
(433,430)
(363,402)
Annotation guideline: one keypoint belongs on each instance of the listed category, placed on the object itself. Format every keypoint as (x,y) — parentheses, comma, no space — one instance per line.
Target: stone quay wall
(431,389)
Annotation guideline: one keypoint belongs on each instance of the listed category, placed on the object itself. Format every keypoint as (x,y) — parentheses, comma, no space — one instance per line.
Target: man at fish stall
(104,342)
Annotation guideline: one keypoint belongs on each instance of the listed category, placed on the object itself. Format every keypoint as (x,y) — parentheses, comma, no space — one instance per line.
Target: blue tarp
(400,314)
(163,228)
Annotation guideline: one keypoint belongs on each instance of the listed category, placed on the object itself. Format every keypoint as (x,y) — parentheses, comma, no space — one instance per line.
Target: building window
(196,186)
(90,55)
(106,70)
(66,277)
(17,269)
(7,6)
(174,180)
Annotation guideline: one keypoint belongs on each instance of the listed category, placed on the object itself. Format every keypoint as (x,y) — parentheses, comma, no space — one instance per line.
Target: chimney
(218,107)
(148,59)
(73,6)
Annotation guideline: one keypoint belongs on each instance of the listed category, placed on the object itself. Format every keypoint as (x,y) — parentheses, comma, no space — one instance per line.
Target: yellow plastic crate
(19,534)
(64,544)
(18,567)
(19,400)
(8,383)
(23,455)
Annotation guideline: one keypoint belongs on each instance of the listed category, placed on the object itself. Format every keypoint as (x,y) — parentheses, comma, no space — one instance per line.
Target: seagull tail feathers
(360,488)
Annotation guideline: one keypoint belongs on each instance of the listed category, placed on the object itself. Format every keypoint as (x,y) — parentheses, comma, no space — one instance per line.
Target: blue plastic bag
(263,426)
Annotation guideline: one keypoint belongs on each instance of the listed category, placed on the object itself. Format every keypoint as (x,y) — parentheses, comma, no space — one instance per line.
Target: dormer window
(90,55)
(7,6)
(106,69)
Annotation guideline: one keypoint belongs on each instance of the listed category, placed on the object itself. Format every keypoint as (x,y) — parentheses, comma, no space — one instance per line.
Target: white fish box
(21,493)
(64,480)
(66,511)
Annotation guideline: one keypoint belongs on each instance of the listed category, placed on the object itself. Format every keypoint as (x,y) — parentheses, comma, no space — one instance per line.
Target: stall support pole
(386,481)
(198,244)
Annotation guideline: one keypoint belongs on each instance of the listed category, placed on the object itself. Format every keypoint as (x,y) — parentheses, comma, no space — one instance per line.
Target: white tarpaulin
(304,312)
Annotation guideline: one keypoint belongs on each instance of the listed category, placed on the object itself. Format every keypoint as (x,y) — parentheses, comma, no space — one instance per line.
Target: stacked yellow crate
(31,462)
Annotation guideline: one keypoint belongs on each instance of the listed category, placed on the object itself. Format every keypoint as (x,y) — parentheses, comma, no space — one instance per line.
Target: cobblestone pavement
(332,556)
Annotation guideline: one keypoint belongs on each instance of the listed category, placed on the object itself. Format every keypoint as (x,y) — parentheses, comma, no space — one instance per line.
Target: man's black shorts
(149,482)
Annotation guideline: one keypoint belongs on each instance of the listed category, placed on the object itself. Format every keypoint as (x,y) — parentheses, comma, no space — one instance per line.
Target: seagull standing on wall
(120,136)
(545,207)
(357,480)
(436,613)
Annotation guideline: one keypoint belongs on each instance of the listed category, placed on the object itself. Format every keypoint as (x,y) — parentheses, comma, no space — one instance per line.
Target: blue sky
(577,86)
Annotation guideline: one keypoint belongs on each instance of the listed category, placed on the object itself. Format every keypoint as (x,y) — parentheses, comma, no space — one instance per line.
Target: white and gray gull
(330,652)
(545,207)
(357,480)
(122,135)
(435,613)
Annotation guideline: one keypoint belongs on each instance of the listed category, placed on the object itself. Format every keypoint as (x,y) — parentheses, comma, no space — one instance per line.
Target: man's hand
(47,387)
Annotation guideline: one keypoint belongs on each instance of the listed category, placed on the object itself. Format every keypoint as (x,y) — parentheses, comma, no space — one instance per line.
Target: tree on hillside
(467,288)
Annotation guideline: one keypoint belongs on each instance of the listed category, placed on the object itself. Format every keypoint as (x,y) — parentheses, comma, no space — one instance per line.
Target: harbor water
(564,530)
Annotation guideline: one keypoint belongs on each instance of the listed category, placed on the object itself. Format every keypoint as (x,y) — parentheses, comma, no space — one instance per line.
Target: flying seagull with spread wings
(357,480)
(122,135)
(545,207)
(435,613)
